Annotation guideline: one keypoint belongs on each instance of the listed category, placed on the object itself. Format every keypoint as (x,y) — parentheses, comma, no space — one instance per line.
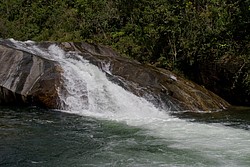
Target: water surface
(36,137)
(102,124)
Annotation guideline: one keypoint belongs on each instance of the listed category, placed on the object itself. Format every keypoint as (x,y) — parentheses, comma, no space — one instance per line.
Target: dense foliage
(161,31)
(173,34)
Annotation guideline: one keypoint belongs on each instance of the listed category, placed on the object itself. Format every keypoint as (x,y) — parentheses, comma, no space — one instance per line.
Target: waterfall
(91,93)
(88,92)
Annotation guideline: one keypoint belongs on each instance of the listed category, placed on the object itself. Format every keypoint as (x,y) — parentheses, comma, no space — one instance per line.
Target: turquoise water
(36,137)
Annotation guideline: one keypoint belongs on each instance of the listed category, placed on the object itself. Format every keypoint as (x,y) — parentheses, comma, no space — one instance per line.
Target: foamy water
(91,94)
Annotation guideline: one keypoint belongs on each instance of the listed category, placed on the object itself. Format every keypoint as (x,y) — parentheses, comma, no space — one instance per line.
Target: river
(104,125)
(45,138)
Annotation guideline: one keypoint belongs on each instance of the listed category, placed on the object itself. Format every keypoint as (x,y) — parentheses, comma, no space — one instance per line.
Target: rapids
(180,142)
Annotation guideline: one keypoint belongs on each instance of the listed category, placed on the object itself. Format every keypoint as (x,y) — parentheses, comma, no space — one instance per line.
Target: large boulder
(159,86)
(27,79)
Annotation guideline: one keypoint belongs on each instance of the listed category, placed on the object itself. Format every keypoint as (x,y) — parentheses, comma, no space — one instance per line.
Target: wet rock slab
(30,79)
(27,79)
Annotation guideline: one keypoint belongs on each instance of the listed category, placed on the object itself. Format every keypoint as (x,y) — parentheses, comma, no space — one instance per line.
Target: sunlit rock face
(159,86)
(29,78)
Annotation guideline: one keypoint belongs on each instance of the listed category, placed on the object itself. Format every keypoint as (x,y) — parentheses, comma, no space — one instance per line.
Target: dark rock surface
(30,79)
(157,85)
(229,77)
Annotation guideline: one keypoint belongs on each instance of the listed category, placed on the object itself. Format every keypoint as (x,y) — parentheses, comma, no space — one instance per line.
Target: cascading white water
(90,93)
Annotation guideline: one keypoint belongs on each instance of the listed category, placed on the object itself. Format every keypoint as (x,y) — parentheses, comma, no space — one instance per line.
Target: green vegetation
(178,35)
(163,32)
